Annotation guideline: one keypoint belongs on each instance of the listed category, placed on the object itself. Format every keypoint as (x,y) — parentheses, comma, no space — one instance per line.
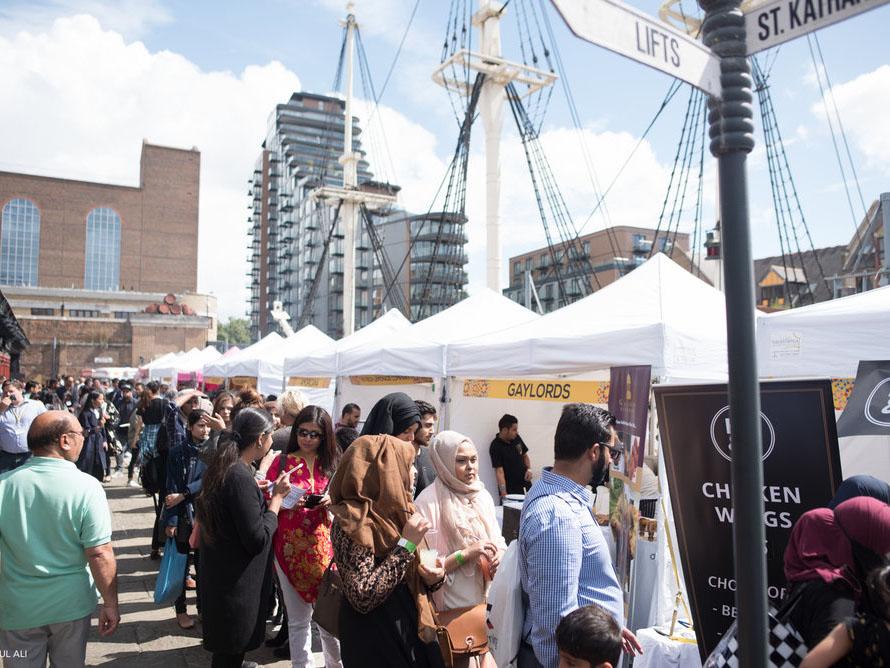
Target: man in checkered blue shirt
(564,558)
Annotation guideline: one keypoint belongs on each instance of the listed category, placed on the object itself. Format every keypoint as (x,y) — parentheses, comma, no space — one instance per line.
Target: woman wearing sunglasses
(302,543)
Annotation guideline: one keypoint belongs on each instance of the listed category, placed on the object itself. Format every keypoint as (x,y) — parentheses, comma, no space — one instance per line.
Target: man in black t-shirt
(509,458)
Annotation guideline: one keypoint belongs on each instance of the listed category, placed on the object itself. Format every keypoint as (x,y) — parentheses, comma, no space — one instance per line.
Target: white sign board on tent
(781,21)
(631,33)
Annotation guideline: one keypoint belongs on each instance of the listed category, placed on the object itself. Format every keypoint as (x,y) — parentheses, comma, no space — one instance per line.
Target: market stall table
(662,652)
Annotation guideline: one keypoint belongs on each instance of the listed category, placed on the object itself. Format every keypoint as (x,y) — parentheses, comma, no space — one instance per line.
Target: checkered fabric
(787,648)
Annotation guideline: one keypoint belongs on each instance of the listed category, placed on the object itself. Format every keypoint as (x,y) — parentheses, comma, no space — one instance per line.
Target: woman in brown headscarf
(385,619)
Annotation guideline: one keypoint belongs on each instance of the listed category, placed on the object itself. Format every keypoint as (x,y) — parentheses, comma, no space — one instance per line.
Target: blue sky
(82,92)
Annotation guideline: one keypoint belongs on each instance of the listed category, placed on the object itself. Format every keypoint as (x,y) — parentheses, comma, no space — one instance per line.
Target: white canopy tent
(413,360)
(219,367)
(190,362)
(314,373)
(659,314)
(160,369)
(420,349)
(267,365)
(322,362)
(827,339)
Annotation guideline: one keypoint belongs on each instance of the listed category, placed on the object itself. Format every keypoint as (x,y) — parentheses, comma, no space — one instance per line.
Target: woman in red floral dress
(302,543)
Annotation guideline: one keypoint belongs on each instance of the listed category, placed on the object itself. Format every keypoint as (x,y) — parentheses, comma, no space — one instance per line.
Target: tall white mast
(350,196)
(491,102)
(349,208)
(498,73)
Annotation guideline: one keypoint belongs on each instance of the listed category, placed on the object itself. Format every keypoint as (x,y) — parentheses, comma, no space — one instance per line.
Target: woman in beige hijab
(463,526)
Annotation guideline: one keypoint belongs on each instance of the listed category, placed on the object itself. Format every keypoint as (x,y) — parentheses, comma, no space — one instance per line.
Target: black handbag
(330,595)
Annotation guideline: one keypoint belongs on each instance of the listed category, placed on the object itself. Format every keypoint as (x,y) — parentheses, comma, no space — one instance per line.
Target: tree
(236,332)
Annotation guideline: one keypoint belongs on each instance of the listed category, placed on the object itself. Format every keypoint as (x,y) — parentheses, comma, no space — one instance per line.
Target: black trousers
(227,660)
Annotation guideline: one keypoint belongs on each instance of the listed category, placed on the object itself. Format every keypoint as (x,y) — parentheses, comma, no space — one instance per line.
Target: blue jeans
(12,460)
(125,448)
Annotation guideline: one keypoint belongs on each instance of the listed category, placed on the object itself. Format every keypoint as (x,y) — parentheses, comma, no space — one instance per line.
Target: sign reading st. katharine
(780,21)
(801,471)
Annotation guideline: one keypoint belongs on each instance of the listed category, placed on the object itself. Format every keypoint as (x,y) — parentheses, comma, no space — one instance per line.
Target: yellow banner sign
(319,382)
(241,382)
(389,380)
(564,391)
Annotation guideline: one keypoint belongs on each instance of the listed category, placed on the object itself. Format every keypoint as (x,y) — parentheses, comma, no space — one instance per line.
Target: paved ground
(148,635)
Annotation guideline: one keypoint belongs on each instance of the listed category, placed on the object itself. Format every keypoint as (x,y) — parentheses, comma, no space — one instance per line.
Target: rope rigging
(579,129)
(455,197)
(383,262)
(820,71)
(786,202)
(579,267)
(306,309)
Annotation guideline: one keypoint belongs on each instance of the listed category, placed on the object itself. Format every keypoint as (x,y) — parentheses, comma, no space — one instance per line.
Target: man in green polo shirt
(55,550)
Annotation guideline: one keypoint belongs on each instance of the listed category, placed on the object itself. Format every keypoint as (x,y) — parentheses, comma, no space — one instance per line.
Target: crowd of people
(380,533)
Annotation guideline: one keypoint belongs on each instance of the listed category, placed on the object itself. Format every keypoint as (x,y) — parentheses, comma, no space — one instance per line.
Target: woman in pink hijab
(463,527)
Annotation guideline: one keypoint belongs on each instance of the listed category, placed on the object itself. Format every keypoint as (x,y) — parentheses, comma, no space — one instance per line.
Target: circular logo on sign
(877,407)
(721,438)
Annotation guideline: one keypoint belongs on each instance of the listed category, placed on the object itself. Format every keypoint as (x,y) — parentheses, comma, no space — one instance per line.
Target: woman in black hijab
(396,415)
(861,485)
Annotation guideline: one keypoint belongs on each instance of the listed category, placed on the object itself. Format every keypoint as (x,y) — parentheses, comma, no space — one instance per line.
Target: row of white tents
(658,315)
(472,360)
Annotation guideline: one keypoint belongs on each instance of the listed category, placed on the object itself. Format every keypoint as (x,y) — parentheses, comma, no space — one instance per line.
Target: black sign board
(868,409)
(801,471)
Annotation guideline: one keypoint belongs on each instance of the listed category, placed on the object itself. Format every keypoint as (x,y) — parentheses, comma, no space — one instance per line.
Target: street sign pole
(732,138)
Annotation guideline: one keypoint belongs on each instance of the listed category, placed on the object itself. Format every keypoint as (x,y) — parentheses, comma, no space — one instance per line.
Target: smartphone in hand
(312,500)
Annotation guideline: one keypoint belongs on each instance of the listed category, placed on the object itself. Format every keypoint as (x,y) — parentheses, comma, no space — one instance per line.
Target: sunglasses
(305,433)
(615,452)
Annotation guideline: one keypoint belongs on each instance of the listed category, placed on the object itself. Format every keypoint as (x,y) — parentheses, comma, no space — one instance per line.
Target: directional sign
(631,33)
(780,21)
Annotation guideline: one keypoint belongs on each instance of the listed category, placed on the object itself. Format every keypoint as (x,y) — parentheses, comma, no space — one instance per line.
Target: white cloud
(80,99)
(131,18)
(861,103)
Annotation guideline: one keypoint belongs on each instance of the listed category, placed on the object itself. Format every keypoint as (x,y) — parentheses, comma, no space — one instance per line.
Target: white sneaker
(133,483)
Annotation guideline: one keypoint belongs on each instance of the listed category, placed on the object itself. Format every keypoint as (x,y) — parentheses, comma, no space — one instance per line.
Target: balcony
(642,245)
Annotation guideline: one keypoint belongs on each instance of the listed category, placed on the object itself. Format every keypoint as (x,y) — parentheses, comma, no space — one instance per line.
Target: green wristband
(407,544)
(459,558)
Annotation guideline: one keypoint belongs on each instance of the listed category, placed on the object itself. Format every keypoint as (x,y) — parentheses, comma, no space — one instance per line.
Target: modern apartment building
(613,252)
(297,251)
(435,277)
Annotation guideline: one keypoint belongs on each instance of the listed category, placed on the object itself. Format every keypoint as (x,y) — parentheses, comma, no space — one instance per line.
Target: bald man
(55,547)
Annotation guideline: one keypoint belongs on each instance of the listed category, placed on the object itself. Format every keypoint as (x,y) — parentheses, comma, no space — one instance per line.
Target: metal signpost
(720,68)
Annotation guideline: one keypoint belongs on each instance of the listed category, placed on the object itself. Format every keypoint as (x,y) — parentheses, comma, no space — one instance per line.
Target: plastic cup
(428,558)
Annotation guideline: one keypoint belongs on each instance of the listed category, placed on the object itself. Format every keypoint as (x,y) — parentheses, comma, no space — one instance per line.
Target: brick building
(80,263)
(613,252)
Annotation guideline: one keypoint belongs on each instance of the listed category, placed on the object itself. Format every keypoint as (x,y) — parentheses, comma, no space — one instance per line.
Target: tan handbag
(461,632)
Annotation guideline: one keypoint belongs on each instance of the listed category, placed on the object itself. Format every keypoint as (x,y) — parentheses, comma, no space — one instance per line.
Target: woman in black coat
(93,457)
(236,528)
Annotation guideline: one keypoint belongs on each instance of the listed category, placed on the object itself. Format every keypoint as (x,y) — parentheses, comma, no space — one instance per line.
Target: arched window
(19,242)
(103,250)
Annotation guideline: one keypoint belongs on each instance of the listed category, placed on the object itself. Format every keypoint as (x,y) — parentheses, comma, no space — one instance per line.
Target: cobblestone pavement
(148,635)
